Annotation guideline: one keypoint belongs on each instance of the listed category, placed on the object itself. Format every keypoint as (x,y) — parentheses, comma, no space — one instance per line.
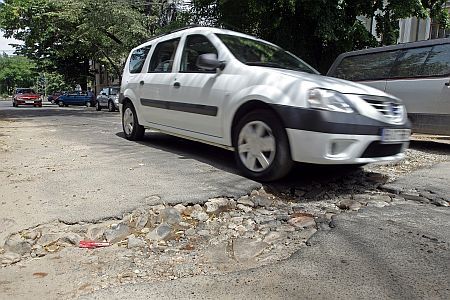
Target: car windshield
(25,91)
(115,91)
(258,53)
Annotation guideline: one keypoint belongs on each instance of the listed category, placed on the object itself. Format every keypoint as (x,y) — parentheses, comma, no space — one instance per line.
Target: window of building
(366,67)
(163,56)
(195,46)
(137,59)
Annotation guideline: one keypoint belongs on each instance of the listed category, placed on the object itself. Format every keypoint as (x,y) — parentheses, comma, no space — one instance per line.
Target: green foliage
(316,30)
(55,82)
(16,71)
(63,35)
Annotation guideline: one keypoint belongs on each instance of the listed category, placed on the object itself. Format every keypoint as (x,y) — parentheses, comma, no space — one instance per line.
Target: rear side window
(366,67)
(410,63)
(438,62)
(138,58)
(163,56)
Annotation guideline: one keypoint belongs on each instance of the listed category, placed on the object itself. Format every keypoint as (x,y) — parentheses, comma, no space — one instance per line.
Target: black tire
(60,104)
(111,107)
(136,132)
(98,107)
(14,104)
(282,162)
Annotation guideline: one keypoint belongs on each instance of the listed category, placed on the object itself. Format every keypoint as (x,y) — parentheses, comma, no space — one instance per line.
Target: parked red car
(26,96)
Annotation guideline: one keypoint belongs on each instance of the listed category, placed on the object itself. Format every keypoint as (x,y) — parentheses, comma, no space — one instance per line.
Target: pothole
(163,242)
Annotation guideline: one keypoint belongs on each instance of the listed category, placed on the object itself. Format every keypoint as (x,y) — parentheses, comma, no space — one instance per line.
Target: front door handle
(141,82)
(176,84)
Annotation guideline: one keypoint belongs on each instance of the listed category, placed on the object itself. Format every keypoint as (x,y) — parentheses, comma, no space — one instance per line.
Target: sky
(4,47)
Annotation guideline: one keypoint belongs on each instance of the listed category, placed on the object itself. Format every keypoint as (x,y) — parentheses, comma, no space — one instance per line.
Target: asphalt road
(73,164)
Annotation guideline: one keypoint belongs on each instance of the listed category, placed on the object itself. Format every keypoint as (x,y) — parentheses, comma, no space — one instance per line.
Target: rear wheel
(262,146)
(130,124)
(88,104)
(111,107)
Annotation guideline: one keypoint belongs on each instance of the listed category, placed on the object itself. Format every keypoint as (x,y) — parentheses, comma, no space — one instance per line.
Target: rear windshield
(25,91)
(258,53)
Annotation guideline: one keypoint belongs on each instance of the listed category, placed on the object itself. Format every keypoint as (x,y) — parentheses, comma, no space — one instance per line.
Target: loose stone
(134,242)
(117,233)
(302,222)
(160,233)
(244,208)
(170,216)
(245,200)
(17,245)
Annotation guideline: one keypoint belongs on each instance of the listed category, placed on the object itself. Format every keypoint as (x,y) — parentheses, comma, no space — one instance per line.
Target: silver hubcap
(256,146)
(128,121)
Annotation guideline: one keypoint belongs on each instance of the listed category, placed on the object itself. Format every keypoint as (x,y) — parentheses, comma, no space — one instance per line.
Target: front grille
(377,149)
(388,107)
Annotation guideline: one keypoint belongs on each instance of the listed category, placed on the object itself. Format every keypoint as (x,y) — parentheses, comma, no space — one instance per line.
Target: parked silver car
(108,97)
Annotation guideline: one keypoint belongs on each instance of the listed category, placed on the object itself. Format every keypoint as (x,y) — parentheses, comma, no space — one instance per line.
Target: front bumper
(29,102)
(325,137)
(328,148)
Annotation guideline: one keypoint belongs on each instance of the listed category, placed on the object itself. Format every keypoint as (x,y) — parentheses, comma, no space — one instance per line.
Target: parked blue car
(75,98)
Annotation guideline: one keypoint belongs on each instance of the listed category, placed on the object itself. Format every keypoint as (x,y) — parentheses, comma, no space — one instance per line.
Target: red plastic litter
(93,244)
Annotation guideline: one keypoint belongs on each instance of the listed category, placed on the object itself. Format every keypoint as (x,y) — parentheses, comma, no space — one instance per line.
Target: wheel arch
(247,107)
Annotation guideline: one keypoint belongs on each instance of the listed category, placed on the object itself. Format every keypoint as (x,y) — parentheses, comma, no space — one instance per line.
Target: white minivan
(418,73)
(247,95)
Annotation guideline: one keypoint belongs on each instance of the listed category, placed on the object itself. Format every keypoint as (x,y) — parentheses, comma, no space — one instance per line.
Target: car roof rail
(175,30)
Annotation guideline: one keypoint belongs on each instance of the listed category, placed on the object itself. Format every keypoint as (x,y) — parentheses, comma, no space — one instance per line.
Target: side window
(195,45)
(104,91)
(137,59)
(438,62)
(410,63)
(366,66)
(163,56)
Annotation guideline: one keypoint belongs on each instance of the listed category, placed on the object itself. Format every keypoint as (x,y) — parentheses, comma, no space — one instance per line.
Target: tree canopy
(317,31)
(63,35)
(16,71)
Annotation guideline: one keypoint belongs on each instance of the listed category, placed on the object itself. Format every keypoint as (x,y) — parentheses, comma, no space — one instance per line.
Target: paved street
(183,223)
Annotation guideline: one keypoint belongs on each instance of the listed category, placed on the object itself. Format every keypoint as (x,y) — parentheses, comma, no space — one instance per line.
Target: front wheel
(262,147)
(98,107)
(60,104)
(131,128)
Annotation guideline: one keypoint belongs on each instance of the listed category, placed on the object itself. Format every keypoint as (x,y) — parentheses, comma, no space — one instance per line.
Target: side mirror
(209,61)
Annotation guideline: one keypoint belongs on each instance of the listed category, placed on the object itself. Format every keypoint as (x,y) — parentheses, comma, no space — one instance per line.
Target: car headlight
(328,100)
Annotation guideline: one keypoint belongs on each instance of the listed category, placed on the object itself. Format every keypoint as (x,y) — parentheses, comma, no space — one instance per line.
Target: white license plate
(389,135)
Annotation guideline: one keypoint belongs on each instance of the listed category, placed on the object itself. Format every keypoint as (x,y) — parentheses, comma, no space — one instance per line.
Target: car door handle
(176,84)
(141,82)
